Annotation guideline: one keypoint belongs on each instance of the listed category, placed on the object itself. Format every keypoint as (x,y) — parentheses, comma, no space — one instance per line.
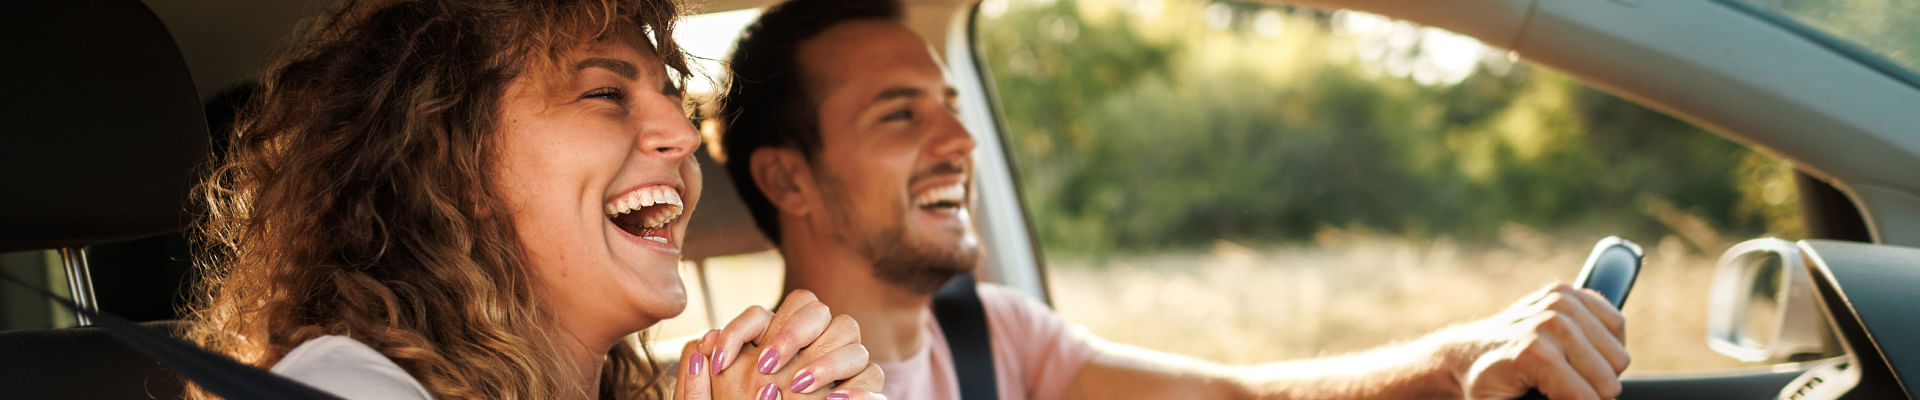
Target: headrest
(720,224)
(103,128)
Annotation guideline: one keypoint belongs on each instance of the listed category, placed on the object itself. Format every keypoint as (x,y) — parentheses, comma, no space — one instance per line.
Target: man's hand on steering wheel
(1568,343)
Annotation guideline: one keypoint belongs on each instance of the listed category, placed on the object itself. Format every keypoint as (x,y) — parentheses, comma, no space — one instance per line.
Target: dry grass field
(1340,293)
(1350,292)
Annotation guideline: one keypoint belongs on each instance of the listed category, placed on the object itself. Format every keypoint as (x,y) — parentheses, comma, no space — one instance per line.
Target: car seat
(104,132)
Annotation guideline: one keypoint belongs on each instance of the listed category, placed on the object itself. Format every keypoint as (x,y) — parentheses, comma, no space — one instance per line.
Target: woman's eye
(901,115)
(606,93)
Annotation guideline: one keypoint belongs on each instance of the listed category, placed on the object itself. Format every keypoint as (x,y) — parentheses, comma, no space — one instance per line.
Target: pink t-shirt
(1035,356)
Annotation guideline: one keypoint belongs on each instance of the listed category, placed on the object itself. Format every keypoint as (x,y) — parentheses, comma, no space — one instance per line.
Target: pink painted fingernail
(838,396)
(719,361)
(767,359)
(770,392)
(802,382)
(693,363)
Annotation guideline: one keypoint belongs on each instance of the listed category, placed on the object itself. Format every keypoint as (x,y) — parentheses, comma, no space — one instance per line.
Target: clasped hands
(799,351)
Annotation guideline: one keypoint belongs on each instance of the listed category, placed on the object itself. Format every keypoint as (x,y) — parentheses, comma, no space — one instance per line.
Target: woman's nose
(669,134)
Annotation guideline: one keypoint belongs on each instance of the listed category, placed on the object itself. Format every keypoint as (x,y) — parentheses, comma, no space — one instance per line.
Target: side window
(21,309)
(1247,183)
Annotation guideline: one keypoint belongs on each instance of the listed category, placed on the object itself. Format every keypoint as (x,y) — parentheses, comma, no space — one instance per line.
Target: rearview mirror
(1761,305)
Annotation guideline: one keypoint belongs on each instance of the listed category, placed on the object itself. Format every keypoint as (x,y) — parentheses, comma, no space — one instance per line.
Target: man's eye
(608,93)
(901,115)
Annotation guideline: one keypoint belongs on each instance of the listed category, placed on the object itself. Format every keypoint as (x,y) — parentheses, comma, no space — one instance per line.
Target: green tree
(1138,136)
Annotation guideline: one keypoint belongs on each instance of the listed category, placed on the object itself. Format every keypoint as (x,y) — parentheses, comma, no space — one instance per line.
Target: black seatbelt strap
(214,372)
(964,321)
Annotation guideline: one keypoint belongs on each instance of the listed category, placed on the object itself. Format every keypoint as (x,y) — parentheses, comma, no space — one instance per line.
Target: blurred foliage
(1177,125)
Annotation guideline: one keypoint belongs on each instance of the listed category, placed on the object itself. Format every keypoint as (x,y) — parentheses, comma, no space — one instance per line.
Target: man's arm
(1565,342)
(1404,371)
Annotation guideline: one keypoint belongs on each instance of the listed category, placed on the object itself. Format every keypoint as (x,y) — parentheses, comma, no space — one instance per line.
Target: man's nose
(950,137)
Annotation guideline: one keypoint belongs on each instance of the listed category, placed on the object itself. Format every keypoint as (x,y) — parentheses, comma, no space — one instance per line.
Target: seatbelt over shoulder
(964,322)
(213,371)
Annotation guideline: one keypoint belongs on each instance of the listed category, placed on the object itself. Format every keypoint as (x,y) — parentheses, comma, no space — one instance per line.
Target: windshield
(1889,29)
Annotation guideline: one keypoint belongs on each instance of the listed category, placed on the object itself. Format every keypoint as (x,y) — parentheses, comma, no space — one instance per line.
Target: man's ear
(782,175)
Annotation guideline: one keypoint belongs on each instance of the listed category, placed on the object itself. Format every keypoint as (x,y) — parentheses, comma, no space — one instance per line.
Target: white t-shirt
(349,369)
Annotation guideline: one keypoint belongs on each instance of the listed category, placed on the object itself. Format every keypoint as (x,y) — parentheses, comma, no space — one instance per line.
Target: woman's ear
(782,175)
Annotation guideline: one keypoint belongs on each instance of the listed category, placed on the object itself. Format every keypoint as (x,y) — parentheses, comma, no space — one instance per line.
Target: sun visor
(103,129)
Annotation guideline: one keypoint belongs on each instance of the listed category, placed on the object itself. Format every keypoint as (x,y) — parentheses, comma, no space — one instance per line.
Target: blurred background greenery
(1300,183)
(1148,125)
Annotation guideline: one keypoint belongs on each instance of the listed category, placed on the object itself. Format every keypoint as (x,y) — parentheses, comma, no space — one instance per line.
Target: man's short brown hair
(767,104)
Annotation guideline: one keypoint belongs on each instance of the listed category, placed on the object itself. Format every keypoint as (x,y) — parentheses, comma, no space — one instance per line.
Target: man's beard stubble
(918,268)
(905,261)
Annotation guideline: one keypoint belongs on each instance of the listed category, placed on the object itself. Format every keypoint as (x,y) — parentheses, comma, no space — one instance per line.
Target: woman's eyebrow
(623,68)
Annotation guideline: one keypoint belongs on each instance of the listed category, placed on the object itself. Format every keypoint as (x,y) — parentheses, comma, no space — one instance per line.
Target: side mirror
(1761,306)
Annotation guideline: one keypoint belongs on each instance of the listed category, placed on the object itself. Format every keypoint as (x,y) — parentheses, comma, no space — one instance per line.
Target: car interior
(121,177)
(117,105)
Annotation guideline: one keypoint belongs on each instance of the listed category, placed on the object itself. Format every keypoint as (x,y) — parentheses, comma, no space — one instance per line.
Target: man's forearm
(1420,369)
(1412,370)
(1562,341)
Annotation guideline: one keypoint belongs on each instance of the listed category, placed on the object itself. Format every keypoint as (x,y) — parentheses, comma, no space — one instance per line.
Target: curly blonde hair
(355,198)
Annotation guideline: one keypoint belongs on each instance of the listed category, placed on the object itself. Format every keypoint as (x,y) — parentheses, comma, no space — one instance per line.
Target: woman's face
(595,165)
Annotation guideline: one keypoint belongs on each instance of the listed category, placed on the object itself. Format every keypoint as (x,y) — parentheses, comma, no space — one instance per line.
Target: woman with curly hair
(482,199)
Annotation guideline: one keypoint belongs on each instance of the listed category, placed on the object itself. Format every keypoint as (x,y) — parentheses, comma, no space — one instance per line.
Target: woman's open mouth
(646,212)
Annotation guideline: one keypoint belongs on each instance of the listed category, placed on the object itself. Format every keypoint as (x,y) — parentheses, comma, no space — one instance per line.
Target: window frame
(1844,48)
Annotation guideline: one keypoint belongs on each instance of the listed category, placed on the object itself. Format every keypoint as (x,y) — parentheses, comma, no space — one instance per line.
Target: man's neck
(892,321)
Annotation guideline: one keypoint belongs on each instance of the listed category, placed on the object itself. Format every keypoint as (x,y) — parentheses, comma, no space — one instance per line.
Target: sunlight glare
(707,39)
(1268,23)
(1429,56)
(1218,16)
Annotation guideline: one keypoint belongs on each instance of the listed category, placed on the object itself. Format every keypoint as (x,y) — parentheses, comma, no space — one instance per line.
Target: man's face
(894,162)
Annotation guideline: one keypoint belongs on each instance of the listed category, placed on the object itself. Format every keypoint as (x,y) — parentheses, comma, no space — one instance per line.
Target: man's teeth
(667,200)
(952,194)
(656,239)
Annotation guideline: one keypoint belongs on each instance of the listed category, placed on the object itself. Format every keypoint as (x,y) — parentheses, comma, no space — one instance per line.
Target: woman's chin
(672,305)
(662,301)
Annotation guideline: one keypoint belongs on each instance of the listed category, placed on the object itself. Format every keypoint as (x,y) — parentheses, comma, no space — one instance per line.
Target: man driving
(843,140)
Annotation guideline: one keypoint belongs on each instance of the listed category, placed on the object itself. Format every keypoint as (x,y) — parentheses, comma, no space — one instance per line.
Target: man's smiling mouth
(942,198)
(646,212)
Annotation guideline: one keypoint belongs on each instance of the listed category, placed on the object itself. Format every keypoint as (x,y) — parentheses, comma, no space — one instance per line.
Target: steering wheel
(1610,270)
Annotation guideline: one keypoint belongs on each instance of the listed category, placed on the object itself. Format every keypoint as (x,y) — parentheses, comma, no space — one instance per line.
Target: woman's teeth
(951,195)
(642,210)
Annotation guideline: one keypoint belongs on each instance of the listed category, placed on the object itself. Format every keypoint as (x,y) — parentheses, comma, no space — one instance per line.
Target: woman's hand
(800,352)
(694,383)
